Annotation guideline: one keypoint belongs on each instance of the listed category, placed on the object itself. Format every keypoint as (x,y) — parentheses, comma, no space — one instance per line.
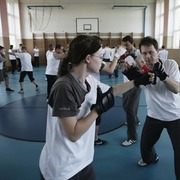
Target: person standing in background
(163,53)
(3,75)
(36,56)
(107,53)
(18,59)
(50,50)
(130,99)
(53,62)
(12,59)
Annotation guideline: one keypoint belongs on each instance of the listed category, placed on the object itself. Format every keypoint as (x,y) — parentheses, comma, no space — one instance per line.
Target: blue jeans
(150,135)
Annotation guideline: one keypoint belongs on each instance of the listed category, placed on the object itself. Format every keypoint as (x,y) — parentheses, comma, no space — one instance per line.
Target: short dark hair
(23,47)
(148,41)
(58,46)
(128,38)
(50,46)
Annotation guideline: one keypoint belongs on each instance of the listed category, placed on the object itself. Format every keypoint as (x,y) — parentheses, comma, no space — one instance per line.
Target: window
(1,40)
(13,22)
(174,24)
(176,27)
(173,39)
(159,22)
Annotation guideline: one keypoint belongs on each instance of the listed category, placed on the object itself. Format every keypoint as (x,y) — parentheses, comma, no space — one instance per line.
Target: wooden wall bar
(43,40)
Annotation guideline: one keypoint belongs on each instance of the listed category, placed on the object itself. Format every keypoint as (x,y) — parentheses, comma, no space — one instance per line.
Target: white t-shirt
(2,60)
(25,58)
(163,54)
(11,57)
(163,104)
(52,64)
(1,65)
(61,158)
(47,53)
(36,52)
(107,53)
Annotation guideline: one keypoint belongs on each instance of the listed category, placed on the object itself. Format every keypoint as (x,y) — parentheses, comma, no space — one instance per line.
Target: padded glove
(132,73)
(143,80)
(120,52)
(159,70)
(104,101)
(117,55)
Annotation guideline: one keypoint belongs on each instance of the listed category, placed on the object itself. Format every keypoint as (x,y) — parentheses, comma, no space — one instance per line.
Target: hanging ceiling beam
(45,6)
(117,6)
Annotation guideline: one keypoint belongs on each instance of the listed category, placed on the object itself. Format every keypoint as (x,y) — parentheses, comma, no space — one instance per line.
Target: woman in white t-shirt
(74,104)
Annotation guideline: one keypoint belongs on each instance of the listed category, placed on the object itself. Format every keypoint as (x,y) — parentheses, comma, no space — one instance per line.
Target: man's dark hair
(148,41)
(58,46)
(128,38)
(50,46)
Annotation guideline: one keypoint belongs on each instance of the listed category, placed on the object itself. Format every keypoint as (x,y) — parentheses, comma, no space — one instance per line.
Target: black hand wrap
(132,55)
(143,80)
(159,70)
(132,73)
(155,77)
(104,101)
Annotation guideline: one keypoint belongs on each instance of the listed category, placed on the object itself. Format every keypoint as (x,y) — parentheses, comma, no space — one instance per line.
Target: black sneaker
(100,142)
(37,88)
(138,123)
(9,90)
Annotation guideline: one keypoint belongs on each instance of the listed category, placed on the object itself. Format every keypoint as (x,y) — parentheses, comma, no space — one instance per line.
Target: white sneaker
(137,124)
(143,164)
(128,142)
(21,92)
